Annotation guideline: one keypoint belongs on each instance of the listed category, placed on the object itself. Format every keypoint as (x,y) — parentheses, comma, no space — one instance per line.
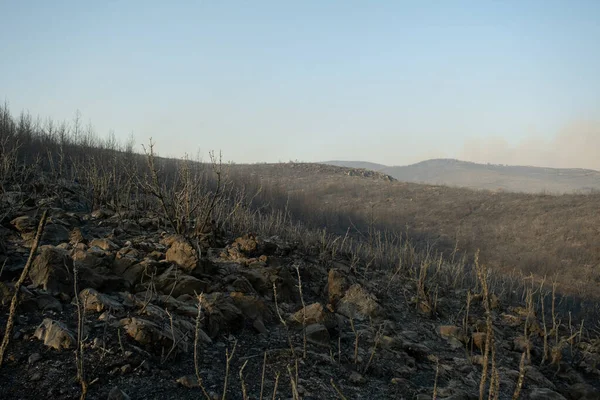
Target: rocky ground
(141,289)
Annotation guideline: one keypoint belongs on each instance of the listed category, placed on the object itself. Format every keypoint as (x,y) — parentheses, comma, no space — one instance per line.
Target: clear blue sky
(386,81)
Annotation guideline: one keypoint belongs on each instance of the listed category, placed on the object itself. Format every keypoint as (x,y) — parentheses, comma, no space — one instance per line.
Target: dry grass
(527,233)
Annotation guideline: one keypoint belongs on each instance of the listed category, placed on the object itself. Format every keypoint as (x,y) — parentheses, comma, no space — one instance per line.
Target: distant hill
(357,164)
(453,172)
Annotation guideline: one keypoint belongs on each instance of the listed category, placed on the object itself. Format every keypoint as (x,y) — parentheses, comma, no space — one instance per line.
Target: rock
(36,376)
(143,331)
(35,357)
(5,294)
(582,391)
(54,334)
(52,270)
(259,325)
(46,302)
(313,313)
(176,283)
(129,269)
(545,394)
(534,375)
(447,331)
(262,280)
(242,285)
(24,224)
(180,252)
(253,309)
(94,301)
(453,335)
(242,248)
(89,259)
(76,237)
(317,334)
(357,303)
(117,394)
(102,213)
(356,378)
(316,314)
(221,314)
(149,333)
(104,244)
(337,284)
(53,234)
(478,339)
(188,381)
(521,343)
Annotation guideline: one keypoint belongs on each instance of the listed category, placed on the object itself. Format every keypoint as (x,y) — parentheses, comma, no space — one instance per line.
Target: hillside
(515,232)
(131,276)
(457,173)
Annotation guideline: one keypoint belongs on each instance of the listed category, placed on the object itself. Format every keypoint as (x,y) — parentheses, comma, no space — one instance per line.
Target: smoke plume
(575,146)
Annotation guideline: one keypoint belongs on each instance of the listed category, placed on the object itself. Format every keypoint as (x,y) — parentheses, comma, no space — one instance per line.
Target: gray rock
(545,394)
(117,394)
(54,334)
(317,334)
(35,357)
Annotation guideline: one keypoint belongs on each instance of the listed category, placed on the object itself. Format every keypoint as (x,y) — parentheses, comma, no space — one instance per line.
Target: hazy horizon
(393,82)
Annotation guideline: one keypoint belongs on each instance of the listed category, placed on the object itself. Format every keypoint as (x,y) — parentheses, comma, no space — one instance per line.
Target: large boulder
(263,278)
(91,258)
(253,309)
(52,270)
(175,282)
(127,265)
(54,233)
(220,313)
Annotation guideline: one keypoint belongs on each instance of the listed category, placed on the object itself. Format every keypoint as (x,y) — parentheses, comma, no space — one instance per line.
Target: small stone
(36,376)
(145,365)
(126,368)
(189,381)
(357,378)
(259,326)
(117,394)
(35,357)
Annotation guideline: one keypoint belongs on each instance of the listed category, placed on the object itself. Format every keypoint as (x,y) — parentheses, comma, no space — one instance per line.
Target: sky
(392,82)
